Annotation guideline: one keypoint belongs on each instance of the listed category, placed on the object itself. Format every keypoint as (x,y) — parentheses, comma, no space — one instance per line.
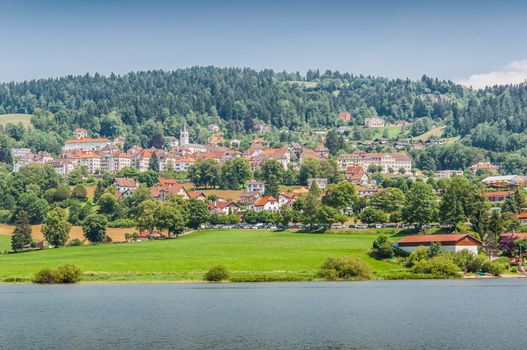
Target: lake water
(468,314)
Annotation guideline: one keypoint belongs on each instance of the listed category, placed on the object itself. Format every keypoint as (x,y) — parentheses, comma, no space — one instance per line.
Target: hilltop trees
(22,233)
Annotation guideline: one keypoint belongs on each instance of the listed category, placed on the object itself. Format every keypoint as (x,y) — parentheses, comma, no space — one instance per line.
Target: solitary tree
(22,233)
(420,207)
(56,228)
(94,228)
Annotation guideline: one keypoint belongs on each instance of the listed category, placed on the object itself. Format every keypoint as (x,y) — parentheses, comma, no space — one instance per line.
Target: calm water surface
(482,314)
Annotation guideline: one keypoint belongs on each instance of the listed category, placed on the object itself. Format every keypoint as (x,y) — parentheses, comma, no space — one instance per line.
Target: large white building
(374,122)
(388,162)
(449,242)
(86,144)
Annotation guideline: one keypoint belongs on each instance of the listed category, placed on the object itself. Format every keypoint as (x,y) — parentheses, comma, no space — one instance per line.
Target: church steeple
(183,136)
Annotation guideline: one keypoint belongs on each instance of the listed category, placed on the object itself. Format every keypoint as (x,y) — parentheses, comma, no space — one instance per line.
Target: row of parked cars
(315,227)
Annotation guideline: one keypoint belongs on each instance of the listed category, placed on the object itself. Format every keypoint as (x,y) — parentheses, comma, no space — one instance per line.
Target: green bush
(440,266)
(514,269)
(493,267)
(347,268)
(74,243)
(67,273)
(46,276)
(382,248)
(217,274)
(417,255)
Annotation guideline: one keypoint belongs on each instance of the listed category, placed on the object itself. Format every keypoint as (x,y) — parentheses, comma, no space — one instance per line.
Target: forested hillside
(142,103)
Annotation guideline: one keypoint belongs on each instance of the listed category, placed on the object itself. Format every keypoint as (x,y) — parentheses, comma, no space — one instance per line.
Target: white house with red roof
(449,242)
(125,185)
(267,203)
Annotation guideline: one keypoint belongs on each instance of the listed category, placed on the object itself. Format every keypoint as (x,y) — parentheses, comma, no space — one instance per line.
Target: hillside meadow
(250,255)
(15,118)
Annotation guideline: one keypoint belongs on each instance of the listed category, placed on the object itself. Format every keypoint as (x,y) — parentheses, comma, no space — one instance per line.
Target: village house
(249,197)
(374,122)
(306,154)
(484,166)
(295,148)
(213,128)
(262,128)
(90,159)
(522,217)
(344,116)
(223,207)
(215,139)
(80,133)
(197,195)
(182,164)
(125,186)
(322,151)
(163,193)
(448,242)
(62,166)
(267,203)
(504,181)
(322,183)
(286,199)
(447,174)
(173,142)
(86,144)
(356,175)
(496,196)
(256,186)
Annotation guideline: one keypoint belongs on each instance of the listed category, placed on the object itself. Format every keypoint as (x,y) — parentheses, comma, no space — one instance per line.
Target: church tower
(183,136)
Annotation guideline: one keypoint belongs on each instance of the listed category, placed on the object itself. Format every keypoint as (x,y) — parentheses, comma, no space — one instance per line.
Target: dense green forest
(142,104)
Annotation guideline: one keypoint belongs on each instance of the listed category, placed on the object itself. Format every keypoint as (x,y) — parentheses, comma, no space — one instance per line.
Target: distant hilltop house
(345,116)
(80,133)
(374,122)
(213,128)
(216,139)
(322,151)
(448,242)
(485,166)
(125,186)
(262,128)
(496,196)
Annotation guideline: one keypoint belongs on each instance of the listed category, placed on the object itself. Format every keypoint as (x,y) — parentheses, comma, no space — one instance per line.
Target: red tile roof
(87,140)
(441,238)
(264,200)
(125,182)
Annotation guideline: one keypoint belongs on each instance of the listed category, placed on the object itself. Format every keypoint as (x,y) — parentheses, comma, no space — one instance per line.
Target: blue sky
(469,41)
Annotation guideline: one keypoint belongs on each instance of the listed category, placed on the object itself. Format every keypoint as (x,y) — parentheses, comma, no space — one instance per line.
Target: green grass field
(15,119)
(246,253)
(393,132)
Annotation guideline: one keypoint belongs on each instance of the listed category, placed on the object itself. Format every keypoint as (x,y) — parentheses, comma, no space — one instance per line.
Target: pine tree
(22,233)
(154,163)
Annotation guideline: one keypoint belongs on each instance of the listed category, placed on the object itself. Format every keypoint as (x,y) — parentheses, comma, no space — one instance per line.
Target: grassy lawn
(246,253)
(15,119)
(393,131)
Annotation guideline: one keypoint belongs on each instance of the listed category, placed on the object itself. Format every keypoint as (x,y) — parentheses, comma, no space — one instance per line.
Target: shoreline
(183,282)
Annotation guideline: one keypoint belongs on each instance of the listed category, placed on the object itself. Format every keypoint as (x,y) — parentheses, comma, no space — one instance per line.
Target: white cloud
(514,73)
